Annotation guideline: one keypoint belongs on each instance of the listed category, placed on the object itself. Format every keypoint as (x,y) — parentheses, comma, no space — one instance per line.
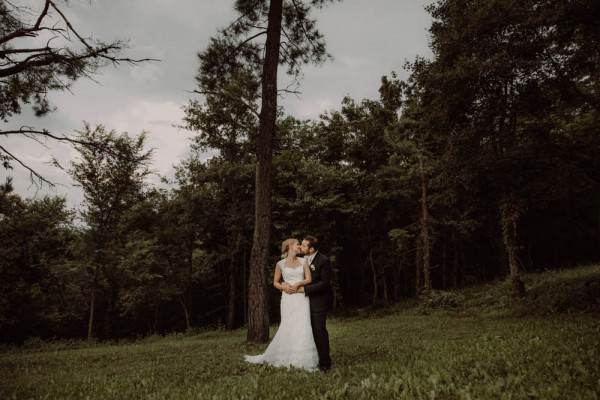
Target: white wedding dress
(293,344)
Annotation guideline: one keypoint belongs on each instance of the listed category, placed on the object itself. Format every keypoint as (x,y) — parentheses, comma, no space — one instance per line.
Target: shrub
(440,300)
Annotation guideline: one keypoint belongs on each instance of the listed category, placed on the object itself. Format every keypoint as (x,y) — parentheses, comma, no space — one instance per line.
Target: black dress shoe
(324,368)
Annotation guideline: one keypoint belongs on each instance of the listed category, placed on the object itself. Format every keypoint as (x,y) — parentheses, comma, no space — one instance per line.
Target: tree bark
(337,293)
(244,287)
(230,323)
(90,334)
(455,265)
(373,269)
(418,261)
(510,213)
(186,314)
(444,262)
(187,300)
(109,310)
(425,231)
(155,321)
(598,203)
(385,288)
(258,310)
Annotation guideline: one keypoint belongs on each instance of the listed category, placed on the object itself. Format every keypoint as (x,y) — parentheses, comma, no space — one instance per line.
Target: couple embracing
(304,278)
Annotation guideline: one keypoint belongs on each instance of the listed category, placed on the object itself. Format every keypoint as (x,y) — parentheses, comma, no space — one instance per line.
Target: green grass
(401,355)
(573,291)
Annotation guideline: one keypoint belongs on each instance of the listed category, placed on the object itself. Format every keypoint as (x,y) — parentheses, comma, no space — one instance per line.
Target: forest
(483,165)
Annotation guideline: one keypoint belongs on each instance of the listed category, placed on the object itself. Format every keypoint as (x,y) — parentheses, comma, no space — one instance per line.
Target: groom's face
(306,249)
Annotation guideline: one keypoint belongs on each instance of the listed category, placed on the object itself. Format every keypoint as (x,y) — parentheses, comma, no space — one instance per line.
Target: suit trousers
(318,321)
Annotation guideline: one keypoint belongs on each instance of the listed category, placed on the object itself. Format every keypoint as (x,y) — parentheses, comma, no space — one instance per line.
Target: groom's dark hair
(312,242)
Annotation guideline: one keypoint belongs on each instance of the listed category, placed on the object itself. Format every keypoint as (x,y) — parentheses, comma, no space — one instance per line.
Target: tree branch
(3,53)
(42,15)
(242,16)
(223,95)
(32,172)
(28,31)
(232,53)
(303,27)
(27,131)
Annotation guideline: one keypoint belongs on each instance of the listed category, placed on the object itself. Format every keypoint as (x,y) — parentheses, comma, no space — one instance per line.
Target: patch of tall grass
(548,352)
(575,290)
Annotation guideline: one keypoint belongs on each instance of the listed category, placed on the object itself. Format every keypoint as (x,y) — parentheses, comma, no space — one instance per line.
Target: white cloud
(368,39)
(159,120)
(312,107)
(146,74)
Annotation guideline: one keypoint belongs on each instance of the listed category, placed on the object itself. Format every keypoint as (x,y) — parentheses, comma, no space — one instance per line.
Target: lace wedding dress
(293,344)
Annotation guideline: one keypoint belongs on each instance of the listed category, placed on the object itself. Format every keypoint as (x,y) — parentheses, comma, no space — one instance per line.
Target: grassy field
(398,355)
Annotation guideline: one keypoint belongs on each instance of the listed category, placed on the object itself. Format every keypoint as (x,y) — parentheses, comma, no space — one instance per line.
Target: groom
(320,296)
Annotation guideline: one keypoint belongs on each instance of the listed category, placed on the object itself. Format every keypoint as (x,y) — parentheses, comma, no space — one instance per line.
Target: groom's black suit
(320,296)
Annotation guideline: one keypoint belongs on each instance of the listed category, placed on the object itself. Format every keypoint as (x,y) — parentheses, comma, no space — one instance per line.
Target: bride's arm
(277,280)
(307,278)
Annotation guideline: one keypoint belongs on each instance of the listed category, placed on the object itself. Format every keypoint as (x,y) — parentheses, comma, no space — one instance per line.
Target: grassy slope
(401,355)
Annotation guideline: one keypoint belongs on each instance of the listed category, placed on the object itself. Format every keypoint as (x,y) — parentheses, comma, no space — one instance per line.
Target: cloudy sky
(367,38)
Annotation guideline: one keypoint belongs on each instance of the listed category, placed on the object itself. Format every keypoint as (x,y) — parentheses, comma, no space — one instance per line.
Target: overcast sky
(367,38)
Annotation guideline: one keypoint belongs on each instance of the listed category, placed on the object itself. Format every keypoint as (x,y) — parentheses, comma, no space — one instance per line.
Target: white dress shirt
(310,258)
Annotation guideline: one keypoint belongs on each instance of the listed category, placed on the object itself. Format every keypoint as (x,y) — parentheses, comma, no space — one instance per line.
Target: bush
(574,290)
(440,300)
(566,291)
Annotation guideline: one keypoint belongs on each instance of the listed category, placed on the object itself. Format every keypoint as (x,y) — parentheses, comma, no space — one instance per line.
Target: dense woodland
(483,164)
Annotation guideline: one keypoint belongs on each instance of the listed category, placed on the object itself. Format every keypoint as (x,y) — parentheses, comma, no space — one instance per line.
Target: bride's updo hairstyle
(285,246)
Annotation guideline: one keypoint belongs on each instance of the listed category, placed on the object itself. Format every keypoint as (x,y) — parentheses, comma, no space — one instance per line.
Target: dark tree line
(481,165)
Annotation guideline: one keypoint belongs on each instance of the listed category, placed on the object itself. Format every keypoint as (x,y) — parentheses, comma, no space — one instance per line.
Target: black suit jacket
(319,290)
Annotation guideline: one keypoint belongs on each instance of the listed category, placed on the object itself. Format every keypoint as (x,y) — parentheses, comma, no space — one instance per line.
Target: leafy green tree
(38,293)
(367,151)
(178,229)
(290,39)
(222,186)
(500,69)
(217,195)
(112,182)
(411,163)
(312,189)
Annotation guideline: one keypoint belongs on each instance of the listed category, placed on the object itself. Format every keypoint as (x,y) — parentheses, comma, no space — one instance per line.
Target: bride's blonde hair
(285,246)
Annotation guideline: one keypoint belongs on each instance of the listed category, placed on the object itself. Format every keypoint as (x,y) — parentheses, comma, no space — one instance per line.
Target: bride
(293,344)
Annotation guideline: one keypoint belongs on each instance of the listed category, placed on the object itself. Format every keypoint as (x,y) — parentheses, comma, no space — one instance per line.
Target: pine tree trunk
(455,268)
(155,321)
(510,213)
(397,273)
(337,293)
(598,203)
(230,324)
(109,311)
(398,278)
(187,300)
(186,314)
(425,231)
(463,256)
(258,305)
(418,261)
(244,287)
(385,288)
(444,262)
(373,269)
(90,334)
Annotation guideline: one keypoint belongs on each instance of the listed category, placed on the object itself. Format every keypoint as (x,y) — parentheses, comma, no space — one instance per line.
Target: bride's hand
(288,289)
